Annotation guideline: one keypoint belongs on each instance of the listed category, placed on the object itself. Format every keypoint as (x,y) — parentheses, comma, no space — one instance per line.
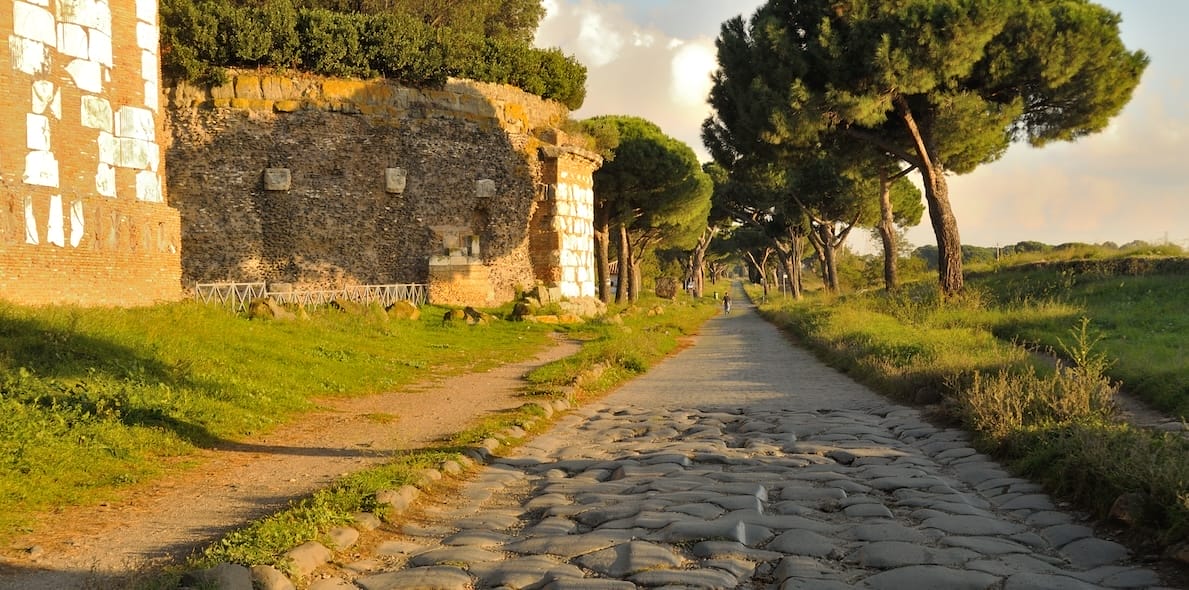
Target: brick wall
(83,217)
(327,183)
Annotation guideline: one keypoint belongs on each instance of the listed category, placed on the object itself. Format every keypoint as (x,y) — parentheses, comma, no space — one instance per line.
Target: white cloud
(690,74)
(597,42)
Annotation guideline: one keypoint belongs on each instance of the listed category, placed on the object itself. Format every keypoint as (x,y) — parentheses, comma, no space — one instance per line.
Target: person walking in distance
(726,303)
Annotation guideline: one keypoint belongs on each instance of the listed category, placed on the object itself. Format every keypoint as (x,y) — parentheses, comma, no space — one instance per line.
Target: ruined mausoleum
(323,183)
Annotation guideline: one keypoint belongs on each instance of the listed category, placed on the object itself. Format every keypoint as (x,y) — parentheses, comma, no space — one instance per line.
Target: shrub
(200,38)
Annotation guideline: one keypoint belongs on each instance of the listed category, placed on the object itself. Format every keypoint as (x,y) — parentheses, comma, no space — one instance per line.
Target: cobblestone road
(744,463)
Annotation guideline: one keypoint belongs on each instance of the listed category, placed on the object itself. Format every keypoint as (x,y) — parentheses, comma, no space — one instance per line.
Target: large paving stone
(629,558)
(523,572)
(1091,552)
(972,525)
(421,578)
(696,578)
(568,546)
(802,542)
(1035,581)
(917,577)
(894,554)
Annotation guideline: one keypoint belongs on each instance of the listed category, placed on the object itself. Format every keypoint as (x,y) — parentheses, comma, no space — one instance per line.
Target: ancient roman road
(743,462)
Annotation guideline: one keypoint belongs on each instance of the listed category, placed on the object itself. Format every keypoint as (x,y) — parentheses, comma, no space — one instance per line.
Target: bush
(199,39)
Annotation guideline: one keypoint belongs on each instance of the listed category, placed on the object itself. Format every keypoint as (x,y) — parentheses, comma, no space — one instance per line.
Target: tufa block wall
(83,217)
(325,183)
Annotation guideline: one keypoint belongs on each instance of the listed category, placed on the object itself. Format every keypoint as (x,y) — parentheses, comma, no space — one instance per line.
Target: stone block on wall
(395,180)
(277,179)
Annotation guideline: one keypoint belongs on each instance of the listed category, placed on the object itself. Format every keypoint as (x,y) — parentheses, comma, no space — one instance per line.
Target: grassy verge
(93,401)
(1051,424)
(628,341)
(1141,316)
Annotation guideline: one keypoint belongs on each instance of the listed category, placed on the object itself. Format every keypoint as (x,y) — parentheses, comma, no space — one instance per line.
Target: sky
(653,59)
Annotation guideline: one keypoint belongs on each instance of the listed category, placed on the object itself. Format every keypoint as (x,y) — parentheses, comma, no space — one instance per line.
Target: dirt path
(84,547)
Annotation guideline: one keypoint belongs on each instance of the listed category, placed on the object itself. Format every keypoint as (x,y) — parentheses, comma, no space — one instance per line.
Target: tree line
(420,43)
(821,108)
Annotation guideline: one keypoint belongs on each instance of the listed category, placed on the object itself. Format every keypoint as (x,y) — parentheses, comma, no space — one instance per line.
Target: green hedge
(200,38)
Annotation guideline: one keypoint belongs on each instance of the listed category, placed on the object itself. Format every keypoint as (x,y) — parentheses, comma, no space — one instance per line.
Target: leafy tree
(755,196)
(652,189)
(942,85)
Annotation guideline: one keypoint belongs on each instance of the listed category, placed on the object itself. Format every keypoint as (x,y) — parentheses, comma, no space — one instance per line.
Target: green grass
(649,337)
(625,343)
(93,401)
(1143,319)
(1114,323)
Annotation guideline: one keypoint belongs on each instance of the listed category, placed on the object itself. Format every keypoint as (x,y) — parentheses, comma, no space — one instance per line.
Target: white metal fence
(237,296)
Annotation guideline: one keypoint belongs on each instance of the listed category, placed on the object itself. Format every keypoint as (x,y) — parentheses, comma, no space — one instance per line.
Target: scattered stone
(404,310)
(307,557)
(342,537)
(267,577)
(398,500)
(1129,508)
(225,576)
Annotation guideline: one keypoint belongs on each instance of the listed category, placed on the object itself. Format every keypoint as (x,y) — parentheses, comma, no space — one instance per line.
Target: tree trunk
(698,260)
(602,237)
(627,263)
(941,214)
(887,231)
(621,286)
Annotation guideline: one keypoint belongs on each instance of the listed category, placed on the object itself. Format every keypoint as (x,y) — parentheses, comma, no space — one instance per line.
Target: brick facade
(83,213)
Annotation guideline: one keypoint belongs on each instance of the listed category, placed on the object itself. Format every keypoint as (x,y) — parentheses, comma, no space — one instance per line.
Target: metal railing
(238,296)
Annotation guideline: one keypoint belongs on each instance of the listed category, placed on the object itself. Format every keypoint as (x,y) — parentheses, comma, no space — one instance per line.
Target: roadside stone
(367,521)
(267,577)
(225,576)
(307,557)
(398,500)
(342,537)
(331,584)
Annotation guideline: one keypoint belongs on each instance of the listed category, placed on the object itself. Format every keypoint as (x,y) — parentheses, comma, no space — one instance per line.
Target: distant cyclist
(726,303)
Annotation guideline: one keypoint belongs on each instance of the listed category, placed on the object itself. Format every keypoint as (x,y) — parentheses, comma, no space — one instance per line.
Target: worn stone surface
(722,468)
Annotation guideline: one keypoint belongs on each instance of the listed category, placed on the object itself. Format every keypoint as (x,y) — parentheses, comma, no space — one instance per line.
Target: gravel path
(742,462)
